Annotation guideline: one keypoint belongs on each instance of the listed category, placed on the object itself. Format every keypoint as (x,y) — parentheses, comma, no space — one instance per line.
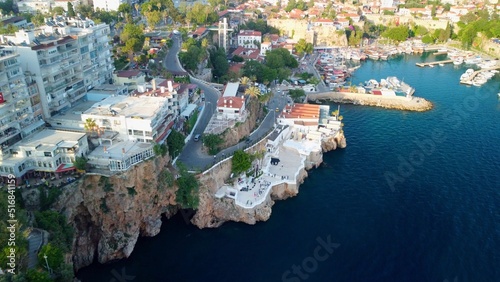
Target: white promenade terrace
(288,148)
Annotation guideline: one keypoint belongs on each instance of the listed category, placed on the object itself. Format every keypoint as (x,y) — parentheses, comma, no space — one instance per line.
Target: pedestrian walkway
(35,241)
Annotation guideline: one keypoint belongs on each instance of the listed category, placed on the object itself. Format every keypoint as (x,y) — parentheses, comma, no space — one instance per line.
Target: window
(47,154)
(39,164)
(19,168)
(130,132)
(44,164)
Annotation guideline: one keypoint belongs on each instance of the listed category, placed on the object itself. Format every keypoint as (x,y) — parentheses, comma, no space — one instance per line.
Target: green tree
(302,47)
(90,126)
(427,39)
(125,8)
(55,257)
(187,195)
(80,163)
(56,224)
(241,162)
(58,11)
(85,10)
(71,10)
(398,34)
(7,7)
(160,149)
(213,142)
(219,62)
(175,143)
(9,29)
(252,91)
(33,275)
(297,95)
(133,37)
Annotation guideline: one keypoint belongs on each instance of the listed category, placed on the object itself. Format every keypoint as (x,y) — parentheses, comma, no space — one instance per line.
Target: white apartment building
(49,150)
(135,118)
(110,5)
(249,38)
(32,6)
(43,6)
(17,119)
(67,57)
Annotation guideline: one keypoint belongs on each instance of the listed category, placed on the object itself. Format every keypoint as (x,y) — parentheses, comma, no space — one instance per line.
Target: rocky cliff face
(233,135)
(110,213)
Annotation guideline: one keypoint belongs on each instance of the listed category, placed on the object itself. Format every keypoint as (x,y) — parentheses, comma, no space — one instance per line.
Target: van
(196,138)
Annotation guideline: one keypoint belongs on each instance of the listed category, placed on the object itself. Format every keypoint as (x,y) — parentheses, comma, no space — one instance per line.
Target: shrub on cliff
(61,233)
(241,162)
(187,196)
(212,141)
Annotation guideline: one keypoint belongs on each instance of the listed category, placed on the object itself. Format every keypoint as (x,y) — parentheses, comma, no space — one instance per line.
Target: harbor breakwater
(417,104)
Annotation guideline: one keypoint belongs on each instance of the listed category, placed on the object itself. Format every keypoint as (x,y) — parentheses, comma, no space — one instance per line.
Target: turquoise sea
(414,197)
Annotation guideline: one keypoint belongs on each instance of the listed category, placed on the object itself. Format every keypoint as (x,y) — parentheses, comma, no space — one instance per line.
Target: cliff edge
(110,213)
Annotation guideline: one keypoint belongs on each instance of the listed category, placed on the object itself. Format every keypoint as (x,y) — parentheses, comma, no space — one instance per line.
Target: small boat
(498,94)
(458,61)
(431,66)
(441,64)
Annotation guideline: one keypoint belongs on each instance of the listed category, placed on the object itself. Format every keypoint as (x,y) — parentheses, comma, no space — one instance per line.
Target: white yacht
(458,61)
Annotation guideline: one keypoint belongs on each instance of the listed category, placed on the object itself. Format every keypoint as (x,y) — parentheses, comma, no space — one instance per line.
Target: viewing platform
(434,63)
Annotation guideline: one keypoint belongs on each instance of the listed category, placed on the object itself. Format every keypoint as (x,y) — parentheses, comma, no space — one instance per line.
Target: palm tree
(90,125)
(335,113)
(159,6)
(253,92)
(264,98)
(245,81)
(137,6)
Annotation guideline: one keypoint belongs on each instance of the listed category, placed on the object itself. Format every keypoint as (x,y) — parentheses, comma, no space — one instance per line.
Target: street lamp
(47,263)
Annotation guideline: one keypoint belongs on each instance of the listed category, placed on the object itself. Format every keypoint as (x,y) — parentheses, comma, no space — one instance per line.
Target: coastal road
(192,155)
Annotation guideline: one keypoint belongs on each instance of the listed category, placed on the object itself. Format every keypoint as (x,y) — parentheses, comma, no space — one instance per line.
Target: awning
(65,167)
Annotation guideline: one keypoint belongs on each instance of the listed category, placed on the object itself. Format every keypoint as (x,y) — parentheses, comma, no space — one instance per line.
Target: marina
(479,77)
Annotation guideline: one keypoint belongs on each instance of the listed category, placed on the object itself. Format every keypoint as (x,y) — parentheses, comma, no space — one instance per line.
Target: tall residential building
(66,57)
(43,6)
(16,115)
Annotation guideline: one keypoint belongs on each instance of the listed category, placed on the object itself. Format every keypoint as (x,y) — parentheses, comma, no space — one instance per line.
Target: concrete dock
(412,103)
(469,80)
(434,63)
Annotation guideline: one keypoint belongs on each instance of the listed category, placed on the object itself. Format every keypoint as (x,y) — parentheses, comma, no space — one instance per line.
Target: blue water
(414,197)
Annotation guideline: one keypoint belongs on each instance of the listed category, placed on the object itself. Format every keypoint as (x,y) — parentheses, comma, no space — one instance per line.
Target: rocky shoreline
(416,104)
(110,214)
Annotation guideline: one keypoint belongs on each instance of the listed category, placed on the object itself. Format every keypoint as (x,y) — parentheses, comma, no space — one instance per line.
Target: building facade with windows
(249,39)
(49,151)
(134,118)
(17,117)
(66,58)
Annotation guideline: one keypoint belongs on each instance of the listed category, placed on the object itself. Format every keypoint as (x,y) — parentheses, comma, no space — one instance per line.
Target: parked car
(197,137)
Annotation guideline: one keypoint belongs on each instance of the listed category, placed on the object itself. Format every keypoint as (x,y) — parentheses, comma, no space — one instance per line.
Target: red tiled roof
(199,31)
(231,102)
(236,67)
(249,33)
(246,53)
(301,111)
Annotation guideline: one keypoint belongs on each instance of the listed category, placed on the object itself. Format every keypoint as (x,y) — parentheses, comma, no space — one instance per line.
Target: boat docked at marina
(458,61)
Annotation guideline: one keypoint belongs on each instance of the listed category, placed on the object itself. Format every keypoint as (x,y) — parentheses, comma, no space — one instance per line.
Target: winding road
(192,155)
